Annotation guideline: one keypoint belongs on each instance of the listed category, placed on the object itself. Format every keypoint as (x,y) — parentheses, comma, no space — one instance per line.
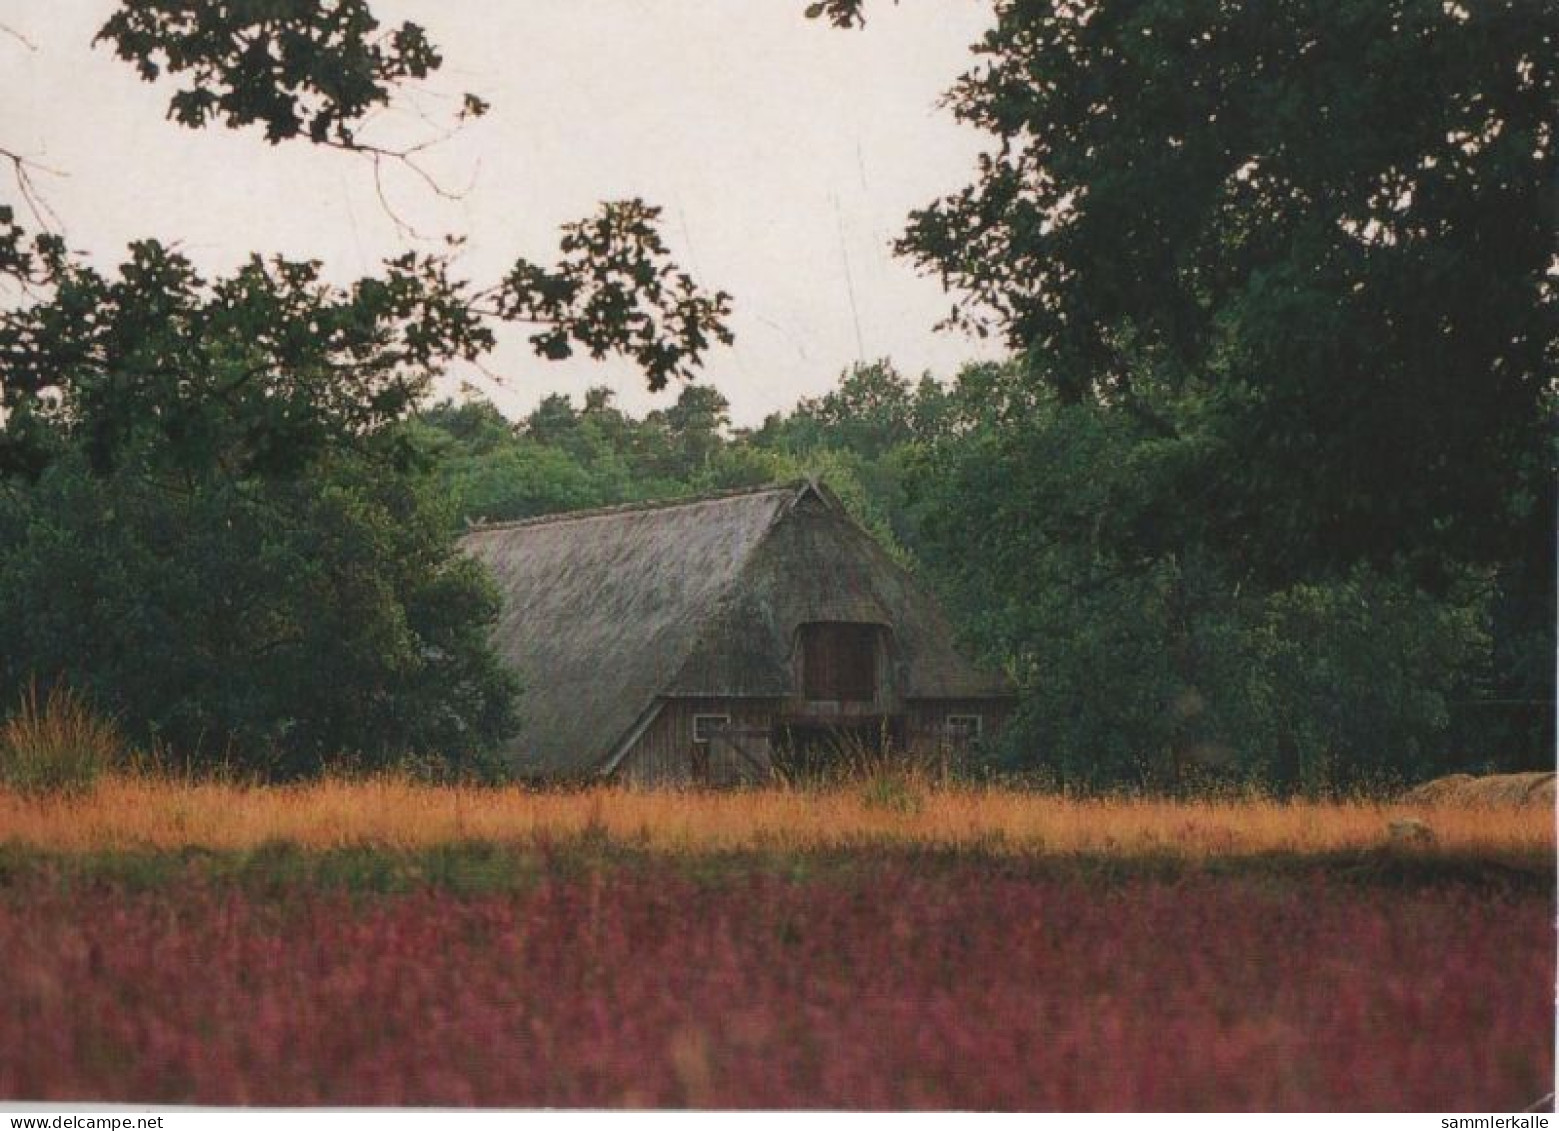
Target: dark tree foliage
(1298,261)
(28,257)
(840,13)
(871,411)
(315,68)
(1337,216)
(1065,539)
(616,290)
(293,364)
(255,374)
(276,626)
(563,458)
(214,522)
(310,68)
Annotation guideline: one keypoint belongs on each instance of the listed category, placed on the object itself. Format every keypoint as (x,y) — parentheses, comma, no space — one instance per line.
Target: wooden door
(740,756)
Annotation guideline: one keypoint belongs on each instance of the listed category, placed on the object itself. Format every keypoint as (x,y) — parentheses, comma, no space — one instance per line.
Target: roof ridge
(558,517)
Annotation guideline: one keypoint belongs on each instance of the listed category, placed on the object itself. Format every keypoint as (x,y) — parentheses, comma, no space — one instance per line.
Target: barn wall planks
(665,753)
(926,721)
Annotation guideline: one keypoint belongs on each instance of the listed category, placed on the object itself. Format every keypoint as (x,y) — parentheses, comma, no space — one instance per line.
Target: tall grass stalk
(56,745)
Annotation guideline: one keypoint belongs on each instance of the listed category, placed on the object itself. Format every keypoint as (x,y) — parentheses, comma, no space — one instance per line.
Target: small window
(965,728)
(705,726)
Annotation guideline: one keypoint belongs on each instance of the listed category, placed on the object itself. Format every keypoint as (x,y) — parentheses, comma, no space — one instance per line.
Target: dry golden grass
(56,744)
(130,813)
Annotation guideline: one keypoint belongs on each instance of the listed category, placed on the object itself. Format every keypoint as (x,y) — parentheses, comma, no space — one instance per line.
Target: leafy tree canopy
(315,69)
(1283,280)
(1067,542)
(870,411)
(282,364)
(1335,219)
(298,67)
(275,626)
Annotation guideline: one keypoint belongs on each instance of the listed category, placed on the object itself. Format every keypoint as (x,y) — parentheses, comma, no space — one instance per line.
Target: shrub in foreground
(59,745)
(279,625)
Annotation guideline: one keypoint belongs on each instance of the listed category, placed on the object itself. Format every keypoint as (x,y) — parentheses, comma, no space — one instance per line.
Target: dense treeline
(564,457)
(1069,544)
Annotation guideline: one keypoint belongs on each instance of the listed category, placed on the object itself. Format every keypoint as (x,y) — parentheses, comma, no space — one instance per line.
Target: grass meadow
(881,945)
(138,812)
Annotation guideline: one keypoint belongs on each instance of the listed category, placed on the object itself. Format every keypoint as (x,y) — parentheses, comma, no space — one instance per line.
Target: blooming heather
(886,986)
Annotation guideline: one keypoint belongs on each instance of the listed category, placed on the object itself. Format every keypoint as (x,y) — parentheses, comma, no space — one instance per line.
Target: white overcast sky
(786,156)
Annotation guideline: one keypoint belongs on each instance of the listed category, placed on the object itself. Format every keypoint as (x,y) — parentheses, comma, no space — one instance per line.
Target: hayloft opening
(839,661)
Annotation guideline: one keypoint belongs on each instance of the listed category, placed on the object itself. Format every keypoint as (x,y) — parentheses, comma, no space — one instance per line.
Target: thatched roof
(605,612)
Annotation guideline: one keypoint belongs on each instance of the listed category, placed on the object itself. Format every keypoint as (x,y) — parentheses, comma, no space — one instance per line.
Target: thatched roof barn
(698,640)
